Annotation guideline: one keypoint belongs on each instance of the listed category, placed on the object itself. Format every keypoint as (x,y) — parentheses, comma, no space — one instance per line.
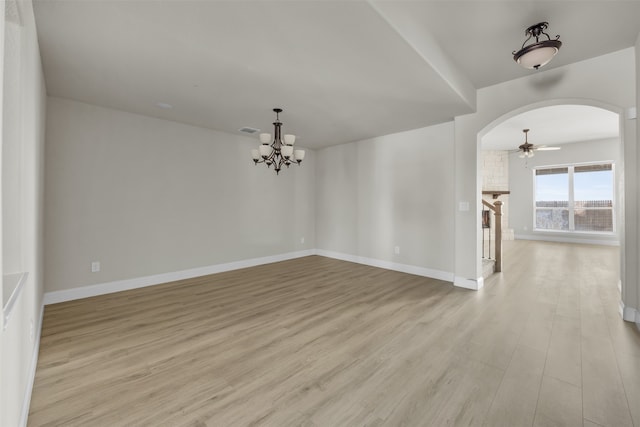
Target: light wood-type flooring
(320,342)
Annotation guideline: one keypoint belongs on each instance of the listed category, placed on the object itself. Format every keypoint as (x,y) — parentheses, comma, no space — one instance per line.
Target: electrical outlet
(95,266)
(397,250)
(525,228)
(302,240)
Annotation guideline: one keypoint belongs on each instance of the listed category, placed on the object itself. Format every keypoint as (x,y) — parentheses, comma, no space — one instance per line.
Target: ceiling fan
(527,149)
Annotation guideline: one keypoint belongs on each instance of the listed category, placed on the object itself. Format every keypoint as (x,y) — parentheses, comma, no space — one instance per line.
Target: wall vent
(248,129)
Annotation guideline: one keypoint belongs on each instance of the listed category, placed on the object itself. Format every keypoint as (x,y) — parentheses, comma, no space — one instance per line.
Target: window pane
(593,188)
(552,187)
(593,219)
(552,199)
(552,219)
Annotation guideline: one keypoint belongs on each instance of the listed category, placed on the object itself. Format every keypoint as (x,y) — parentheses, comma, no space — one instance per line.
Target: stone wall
(495,177)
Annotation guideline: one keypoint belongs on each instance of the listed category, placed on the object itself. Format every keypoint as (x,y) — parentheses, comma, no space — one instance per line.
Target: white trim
(629,314)
(562,239)
(26,401)
(404,268)
(620,286)
(472,284)
(19,279)
(156,279)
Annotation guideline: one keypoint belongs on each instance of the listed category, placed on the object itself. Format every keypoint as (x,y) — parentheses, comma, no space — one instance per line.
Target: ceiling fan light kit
(279,150)
(540,52)
(527,149)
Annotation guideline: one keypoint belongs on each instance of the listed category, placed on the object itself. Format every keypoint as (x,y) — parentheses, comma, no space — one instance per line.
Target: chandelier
(539,53)
(277,152)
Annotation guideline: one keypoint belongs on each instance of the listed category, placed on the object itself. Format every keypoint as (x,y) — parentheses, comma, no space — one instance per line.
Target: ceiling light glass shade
(287,151)
(265,138)
(521,155)
(539,53)
(265,150)
(537,57)
(279,150)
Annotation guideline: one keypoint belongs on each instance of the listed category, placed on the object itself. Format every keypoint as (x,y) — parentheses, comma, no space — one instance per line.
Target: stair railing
(496,208)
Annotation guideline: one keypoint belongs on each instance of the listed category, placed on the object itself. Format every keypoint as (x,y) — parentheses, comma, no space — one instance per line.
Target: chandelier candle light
(277,152)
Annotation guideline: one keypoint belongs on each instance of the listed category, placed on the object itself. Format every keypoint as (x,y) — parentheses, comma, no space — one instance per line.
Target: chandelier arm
(525,42)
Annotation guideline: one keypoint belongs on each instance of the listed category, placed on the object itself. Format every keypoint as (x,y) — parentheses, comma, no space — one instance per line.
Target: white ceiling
(342,70)
(552,126)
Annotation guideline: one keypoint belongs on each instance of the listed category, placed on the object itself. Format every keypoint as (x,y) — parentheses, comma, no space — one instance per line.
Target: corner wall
(394,191)
(146,197)
(22,209)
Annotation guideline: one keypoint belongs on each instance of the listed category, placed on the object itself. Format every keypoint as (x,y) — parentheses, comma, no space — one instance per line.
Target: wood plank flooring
(320,342)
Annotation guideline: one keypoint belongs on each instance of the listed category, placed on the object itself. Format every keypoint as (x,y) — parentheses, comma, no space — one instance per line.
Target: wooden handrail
(496,207)
(489,205)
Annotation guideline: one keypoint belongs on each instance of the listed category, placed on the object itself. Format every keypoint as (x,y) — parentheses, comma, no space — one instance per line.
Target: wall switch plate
(463,206)
(302,240)
(95,266)
(396,250)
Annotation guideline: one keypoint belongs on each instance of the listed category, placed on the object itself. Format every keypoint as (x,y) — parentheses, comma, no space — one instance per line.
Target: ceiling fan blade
(547,148)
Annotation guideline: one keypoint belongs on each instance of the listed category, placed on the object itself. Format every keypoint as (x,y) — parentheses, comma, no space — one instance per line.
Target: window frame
(571,202)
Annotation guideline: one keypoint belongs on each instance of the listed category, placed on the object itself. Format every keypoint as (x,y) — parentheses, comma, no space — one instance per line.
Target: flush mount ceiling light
(535,55)
(277,152)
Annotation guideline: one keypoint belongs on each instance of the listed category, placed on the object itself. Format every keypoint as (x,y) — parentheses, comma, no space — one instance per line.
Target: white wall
(521,175)
(145,196)
(394,190)
(632,300)
(22,210)
(607,81)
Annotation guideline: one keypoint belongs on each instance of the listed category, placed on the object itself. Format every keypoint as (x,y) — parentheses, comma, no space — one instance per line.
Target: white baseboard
(404,268)
(26,400)
(472,284)
(55,297)
(562,239)
(629,314)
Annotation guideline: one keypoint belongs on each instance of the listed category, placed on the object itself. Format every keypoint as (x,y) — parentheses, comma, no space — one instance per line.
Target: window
(574,198)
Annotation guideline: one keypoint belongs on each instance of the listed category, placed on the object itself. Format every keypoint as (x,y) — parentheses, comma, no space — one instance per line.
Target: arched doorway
(584,128)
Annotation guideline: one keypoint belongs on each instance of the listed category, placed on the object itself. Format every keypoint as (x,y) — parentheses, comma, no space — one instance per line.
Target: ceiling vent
(247,129)
(12,12)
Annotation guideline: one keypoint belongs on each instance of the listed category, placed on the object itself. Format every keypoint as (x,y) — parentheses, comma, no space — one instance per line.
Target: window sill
(576,233)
